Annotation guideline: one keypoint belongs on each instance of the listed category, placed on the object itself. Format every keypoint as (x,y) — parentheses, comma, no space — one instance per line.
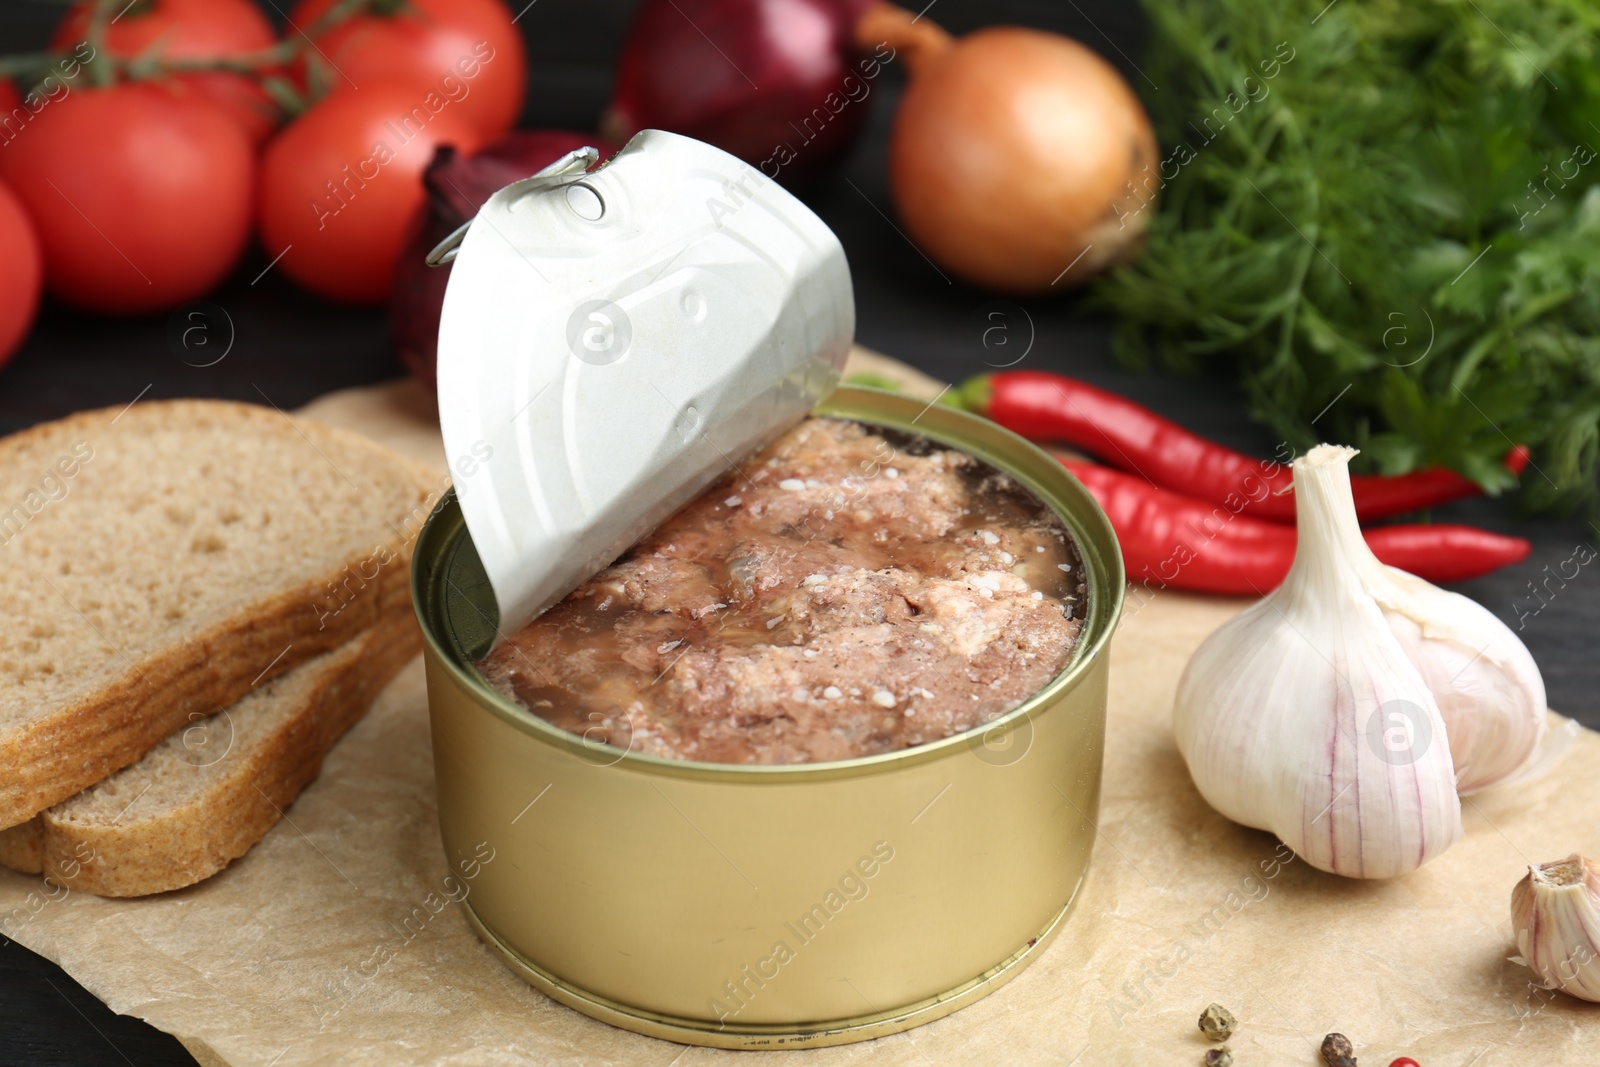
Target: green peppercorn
(1217,1023)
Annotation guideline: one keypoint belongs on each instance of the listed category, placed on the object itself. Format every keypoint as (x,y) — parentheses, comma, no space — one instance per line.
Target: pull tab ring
(578,161)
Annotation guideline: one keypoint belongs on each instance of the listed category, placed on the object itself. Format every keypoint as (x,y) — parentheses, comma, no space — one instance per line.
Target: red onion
(778,83)
(457,186)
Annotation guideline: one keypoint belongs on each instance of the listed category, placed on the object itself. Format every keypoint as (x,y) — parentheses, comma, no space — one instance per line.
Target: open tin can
(773,906)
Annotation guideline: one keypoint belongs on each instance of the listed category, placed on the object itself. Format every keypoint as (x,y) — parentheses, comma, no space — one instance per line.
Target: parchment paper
(267,964)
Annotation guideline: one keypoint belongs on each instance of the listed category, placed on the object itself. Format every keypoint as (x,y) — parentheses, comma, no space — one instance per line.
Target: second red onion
(457,187)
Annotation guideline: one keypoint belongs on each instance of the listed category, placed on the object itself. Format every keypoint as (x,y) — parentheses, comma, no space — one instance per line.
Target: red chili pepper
(1173,540)
(1052,407)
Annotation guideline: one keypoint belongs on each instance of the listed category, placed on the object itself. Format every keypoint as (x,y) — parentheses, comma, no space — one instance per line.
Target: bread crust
(22,846)
(66,749)
(244,798)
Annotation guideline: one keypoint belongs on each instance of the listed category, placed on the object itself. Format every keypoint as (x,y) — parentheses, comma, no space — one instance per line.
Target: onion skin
(457,187)
(1015,152)
(779,83)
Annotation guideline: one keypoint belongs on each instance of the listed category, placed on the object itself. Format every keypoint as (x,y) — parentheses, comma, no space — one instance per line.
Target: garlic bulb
(1488,688)
(1303,715)
(1555,913)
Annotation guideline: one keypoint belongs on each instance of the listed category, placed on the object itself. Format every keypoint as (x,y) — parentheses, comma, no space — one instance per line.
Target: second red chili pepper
(1171,540)
(1052,407)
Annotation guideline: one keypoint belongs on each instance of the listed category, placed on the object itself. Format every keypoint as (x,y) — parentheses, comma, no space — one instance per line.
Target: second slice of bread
(157,562)
(207,793)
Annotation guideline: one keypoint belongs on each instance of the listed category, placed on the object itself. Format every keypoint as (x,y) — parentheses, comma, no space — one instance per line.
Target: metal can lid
(614,340)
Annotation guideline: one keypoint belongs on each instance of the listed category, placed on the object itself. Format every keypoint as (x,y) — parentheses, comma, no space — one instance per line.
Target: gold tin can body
(772,907)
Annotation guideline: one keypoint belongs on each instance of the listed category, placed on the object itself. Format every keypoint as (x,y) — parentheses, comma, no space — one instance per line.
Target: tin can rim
(1042,474)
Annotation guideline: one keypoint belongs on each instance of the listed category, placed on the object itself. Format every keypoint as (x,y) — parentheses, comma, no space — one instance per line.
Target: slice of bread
(211,790)
(158,561)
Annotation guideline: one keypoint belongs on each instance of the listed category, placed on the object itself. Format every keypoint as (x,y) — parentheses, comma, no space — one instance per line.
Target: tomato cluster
(133,175)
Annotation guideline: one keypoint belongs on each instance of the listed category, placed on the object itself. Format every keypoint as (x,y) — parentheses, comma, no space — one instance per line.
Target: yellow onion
(1019,159)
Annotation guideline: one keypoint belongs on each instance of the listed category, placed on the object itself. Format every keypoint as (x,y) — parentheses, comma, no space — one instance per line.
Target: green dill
(1383,215)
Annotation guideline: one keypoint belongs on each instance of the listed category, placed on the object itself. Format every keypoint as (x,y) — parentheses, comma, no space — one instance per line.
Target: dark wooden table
(289,348)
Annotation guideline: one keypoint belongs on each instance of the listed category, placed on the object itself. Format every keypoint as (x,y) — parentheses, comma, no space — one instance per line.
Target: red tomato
(140,193)
(21,274)
(466,50)
(341,183)
(188,29)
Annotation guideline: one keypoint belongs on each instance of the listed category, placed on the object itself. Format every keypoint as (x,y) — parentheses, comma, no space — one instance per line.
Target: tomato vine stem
(105,69)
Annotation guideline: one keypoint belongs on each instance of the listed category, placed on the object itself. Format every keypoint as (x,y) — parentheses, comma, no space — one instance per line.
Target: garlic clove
(1559,737)
(1304,716)
(1555,913)
(1487,686)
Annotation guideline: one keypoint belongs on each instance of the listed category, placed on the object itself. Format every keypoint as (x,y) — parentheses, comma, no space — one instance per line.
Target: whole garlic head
(1555,913)
(1304,715)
